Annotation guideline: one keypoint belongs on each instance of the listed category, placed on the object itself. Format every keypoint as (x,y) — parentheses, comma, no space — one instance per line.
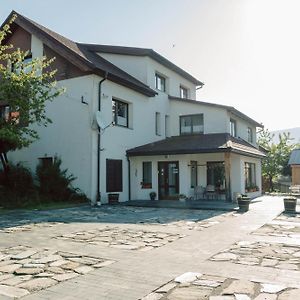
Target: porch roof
(201,143)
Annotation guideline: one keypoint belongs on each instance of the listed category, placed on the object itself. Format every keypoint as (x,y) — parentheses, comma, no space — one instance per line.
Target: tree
(277,156)
(25,88)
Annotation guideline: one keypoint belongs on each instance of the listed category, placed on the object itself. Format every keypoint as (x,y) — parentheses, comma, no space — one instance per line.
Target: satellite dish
(99,120)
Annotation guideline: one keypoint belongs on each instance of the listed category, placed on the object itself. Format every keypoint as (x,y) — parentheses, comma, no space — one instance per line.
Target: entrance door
(168,180)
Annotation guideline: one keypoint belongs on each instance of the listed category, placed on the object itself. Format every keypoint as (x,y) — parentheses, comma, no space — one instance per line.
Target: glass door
(168,180)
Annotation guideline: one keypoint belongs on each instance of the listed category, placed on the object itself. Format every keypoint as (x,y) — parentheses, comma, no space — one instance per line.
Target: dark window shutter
(114,175)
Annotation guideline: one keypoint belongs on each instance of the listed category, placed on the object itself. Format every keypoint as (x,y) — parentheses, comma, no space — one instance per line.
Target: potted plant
(113,198)
(152,195)
(182,197)
(290,203)
(243,203)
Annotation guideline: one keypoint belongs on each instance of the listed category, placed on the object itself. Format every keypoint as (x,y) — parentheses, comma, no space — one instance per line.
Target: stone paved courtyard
(101,253)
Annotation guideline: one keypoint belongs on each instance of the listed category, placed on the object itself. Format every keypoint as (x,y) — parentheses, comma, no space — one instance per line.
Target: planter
(290,204)
(243,203)
(113,198)
(152,196)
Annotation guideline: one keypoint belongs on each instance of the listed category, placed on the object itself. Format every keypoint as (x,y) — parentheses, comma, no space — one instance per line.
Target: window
(194,174)
(216,175)
(17,67)
(160,82)
(250,176)
(147,175)
(233,127)
(6,115)
(167,126)
(114,175)
(250,135)
(46,162)
(120,113)
(191,124)
(183,92)
(157,124)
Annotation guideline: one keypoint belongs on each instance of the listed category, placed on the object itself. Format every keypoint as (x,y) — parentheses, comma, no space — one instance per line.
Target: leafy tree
(25,88)
(276,161)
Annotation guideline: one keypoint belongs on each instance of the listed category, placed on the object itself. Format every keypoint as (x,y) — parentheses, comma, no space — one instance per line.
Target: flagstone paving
(24,270)
(123,238)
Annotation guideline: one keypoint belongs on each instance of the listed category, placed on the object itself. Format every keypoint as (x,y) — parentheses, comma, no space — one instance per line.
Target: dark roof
(142,52)
(80,56)
(295,157)
(230,109)
(201,143)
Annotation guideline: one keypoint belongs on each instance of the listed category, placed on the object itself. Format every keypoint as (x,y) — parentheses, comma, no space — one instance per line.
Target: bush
(54,183)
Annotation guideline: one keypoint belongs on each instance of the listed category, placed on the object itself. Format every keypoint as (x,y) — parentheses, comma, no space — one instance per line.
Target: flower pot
(113,198)
(290,204)
(243,203)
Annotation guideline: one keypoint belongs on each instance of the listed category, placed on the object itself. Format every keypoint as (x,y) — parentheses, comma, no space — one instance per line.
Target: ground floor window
(114,175)
(216,175)
(250,177)
(147,175)
(194,174)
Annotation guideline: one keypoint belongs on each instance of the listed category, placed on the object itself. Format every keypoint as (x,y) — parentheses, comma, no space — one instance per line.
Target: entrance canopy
(200,143)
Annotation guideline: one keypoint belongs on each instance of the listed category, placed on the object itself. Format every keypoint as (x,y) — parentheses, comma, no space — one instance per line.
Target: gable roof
(134,51)
(79,55)
(230,109)
(295,157)
(200,143)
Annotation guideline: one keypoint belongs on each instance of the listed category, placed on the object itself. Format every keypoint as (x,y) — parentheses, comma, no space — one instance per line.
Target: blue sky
(245,51)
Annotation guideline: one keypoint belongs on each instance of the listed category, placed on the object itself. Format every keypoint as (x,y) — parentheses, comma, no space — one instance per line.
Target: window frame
(250,135)
(181,92)
(192,131)
(115,115)
(233,122)
(146,184)
(250,175)
(194,172)
(162,79)
(158,123)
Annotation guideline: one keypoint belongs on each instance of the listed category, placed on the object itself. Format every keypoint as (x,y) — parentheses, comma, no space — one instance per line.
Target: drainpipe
(129,179)
(99,140)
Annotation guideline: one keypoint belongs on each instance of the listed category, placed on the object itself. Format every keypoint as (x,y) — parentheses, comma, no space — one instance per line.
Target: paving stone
(68,254)
(30,265)
(70,266)
(191,293)
(225,257)
(5,276)
(58,263)
(187,277)
(240,287)
(48,259)
(85,260)
(28,271)
(10,268)
(269,262)
(153,296)
(266,297)
(44,274)
(290,295)
(214,278)
(24,254)
(271,288)
(221,298)
(241,297)
(166,288)
(15,280)
(296,254)
(37,284)
(55,270)
(83,269)
(66,276)
(12,292)
(104,264)
(287,266)
(209,283)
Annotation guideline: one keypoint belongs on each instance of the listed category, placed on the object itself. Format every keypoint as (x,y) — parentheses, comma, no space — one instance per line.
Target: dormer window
(233,127)
(250,135)
(160,82)
(184,92)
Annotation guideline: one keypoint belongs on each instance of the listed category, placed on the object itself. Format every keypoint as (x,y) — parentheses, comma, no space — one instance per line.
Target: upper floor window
(250,135)
(157,124)
(191,124)
(184,92)
(17,67)
(120,113)
(233,127)
(160,82)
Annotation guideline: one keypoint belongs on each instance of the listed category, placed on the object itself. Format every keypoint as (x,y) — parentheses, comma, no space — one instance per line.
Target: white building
(163,140)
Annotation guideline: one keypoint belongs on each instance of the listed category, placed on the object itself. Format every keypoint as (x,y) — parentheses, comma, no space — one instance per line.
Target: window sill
(121,126)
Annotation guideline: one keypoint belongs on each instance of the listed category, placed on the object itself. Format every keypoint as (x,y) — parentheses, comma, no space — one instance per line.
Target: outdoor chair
(199,192)
(210,192)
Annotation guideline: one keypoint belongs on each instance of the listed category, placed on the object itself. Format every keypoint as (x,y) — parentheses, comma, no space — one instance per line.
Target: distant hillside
(295,134)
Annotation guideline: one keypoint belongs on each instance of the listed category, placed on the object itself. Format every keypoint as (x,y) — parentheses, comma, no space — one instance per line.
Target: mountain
(294,132)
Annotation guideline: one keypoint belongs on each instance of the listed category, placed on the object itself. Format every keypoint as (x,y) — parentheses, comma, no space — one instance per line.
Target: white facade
(73,135)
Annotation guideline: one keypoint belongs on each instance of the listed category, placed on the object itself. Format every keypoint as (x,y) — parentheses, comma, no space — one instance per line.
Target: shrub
(54,183)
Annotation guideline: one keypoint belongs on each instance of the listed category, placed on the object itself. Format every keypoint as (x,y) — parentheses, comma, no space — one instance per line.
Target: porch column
(227,176)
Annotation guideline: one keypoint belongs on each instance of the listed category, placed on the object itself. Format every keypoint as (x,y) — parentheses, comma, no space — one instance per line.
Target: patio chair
(199,192)
(210,192)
